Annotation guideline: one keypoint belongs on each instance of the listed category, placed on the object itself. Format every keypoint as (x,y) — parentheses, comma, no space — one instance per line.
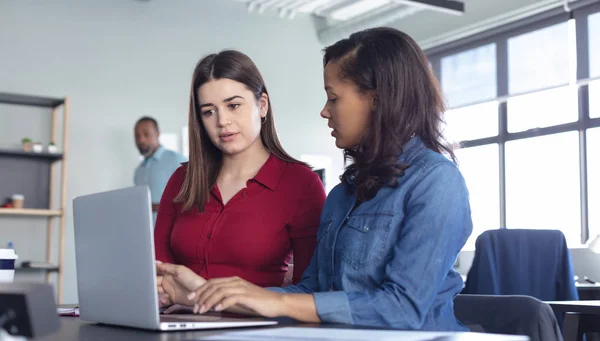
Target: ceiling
(430,22)
(344,10)
(342,17)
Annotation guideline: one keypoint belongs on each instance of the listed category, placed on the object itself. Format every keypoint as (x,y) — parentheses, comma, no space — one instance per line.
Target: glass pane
(594,39)
(538,59)
(593,163)
(542,109)
(594,88)
(469,76)
(479,166)
(460,122)
(542,184)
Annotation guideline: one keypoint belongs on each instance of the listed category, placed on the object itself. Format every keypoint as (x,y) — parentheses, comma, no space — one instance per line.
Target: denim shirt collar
(411,149)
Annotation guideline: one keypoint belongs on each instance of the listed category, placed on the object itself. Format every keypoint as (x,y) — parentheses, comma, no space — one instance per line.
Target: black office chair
(513,315)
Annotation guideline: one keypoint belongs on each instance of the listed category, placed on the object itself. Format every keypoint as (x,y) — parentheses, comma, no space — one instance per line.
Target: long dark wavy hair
(408,102)
(205,158)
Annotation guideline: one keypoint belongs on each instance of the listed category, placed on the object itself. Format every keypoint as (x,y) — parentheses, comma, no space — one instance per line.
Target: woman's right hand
(175,283)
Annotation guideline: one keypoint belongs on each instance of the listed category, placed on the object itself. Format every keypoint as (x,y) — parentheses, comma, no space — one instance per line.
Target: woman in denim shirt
(392,229)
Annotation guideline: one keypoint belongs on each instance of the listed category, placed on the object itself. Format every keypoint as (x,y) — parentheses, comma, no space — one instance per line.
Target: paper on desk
(330,334)
(68,311)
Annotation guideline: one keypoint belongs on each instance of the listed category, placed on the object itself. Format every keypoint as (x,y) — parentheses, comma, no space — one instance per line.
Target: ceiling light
(357,8)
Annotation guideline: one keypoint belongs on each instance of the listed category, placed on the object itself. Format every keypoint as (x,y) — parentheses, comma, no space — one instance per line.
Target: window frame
(500,37)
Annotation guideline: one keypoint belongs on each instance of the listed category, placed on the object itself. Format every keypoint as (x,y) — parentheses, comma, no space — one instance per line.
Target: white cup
(17,200)
(7,265)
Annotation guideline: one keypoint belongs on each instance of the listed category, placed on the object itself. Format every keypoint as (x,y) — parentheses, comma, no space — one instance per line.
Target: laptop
(116,273)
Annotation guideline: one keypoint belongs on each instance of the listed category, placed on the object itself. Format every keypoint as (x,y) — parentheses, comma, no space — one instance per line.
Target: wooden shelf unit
(56,209)
(46,270)
(30,212)
(31,155)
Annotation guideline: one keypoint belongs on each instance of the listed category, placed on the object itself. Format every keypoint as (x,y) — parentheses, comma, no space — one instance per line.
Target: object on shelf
(38,265)
(27,144)
(52,148)
(8,258)
(17,200)
(7,203)
(38,147)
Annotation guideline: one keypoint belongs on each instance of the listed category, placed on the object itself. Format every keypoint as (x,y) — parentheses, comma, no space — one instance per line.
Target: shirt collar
(270,173)
(411,149)
(158,153)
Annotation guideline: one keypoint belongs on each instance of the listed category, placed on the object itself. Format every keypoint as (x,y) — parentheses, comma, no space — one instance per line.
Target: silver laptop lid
(114,252)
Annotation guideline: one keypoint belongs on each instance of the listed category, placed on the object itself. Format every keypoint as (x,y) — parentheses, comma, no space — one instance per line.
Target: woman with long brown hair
(391,231)
(241,206)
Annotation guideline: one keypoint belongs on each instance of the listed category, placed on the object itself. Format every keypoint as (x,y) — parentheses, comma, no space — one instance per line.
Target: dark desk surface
(582,317)
(584,307)
(587,286)
(72,328)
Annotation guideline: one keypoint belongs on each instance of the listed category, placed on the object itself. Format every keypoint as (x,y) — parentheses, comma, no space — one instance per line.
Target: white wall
(120,59)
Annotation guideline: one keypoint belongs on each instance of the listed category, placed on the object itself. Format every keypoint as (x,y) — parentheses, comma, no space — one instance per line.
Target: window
(460,122)
(594,89)
(593,173)
(515,98)
(542,109)
(479,166)
(594,53)
(542,184)
(538,59)
(594,44)
(469,76)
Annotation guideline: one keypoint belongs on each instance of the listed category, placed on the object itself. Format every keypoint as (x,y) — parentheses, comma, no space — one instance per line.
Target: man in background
(158,164)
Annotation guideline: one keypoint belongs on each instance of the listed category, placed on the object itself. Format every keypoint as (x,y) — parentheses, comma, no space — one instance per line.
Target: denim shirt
(389,262)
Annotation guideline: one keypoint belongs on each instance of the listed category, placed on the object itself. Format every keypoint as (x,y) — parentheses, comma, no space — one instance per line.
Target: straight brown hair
(205,159)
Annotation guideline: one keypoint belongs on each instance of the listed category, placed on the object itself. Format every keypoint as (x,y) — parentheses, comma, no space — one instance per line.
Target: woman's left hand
(234,292)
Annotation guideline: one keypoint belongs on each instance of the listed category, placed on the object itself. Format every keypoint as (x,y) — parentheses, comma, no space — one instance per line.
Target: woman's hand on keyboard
(175,282)
(236,295)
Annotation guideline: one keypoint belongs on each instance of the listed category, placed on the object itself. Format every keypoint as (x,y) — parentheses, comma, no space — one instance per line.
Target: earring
(263,120)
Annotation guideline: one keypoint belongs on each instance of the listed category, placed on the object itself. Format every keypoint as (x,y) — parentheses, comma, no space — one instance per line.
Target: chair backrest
(535,263)
(513,315)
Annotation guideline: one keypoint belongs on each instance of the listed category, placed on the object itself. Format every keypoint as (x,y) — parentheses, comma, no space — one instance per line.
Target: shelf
(31,155)
(22,269)
(29,212)
(36,101)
